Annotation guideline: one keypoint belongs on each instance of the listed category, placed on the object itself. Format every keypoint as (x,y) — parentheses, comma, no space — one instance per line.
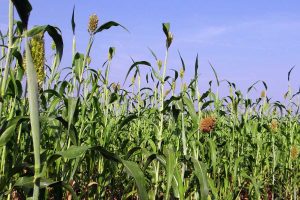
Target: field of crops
(70,133)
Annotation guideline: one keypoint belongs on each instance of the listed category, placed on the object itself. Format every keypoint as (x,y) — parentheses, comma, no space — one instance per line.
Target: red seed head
(207,124)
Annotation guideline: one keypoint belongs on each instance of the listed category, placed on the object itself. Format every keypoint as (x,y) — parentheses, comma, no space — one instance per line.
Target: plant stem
(10,44)
(34,116)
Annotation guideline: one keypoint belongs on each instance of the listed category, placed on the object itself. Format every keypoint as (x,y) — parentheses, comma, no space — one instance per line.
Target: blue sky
(246,41)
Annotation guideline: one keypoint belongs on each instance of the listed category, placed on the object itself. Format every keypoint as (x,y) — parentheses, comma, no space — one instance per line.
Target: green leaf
(177,185)
(73,20)
(23,8)
(157,75)
(52,93)
(44,182)
(131,152)
(108,25)
(204,95)
(236,165)
(201,173)
(196,68)
(78,64)
(170,166)
(166,29)
(72,104)
(27,181)
(252,86)
(215,73)
(182,62)
(136,64)
(18,56)
(54,33)
(126,120)
(7,134)
(212,187)
(111,52)
(73,152)
(153,54)
(133,170)
(213,154)
(72,133)
(289,73)
(106,154)
(207,103)
(191,109)
(113,97)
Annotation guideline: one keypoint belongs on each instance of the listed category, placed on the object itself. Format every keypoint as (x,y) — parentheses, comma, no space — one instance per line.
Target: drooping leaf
(18,56)
(265,85)
(131,152)
(108,25)
(133,170)
(207,103)
(126,120)
(135,64)
(54,33)
(289,73)
(252,86)
(23,8)
(153,54)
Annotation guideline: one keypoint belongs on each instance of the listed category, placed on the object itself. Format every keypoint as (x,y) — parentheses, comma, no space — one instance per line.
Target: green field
(71,133)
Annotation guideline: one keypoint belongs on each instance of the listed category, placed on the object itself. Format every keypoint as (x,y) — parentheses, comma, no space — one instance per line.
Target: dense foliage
(80,136)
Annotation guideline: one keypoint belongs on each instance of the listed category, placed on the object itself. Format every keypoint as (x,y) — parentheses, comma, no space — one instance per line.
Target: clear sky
(246,41)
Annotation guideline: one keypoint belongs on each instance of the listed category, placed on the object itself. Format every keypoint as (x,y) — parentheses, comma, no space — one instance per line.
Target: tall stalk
(162,90)
(10,44)
(91,40)
(34,115)
(169,38)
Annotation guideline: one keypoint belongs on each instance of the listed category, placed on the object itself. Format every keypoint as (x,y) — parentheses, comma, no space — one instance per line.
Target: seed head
(93,23)
(24,61)
(274,125)
(169,39)
(111,53)
(159,64)
(173,86)
(294,152)
(116,86)
(88,60)
(181,73)
(207,124)
(263,94)
(38,56)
